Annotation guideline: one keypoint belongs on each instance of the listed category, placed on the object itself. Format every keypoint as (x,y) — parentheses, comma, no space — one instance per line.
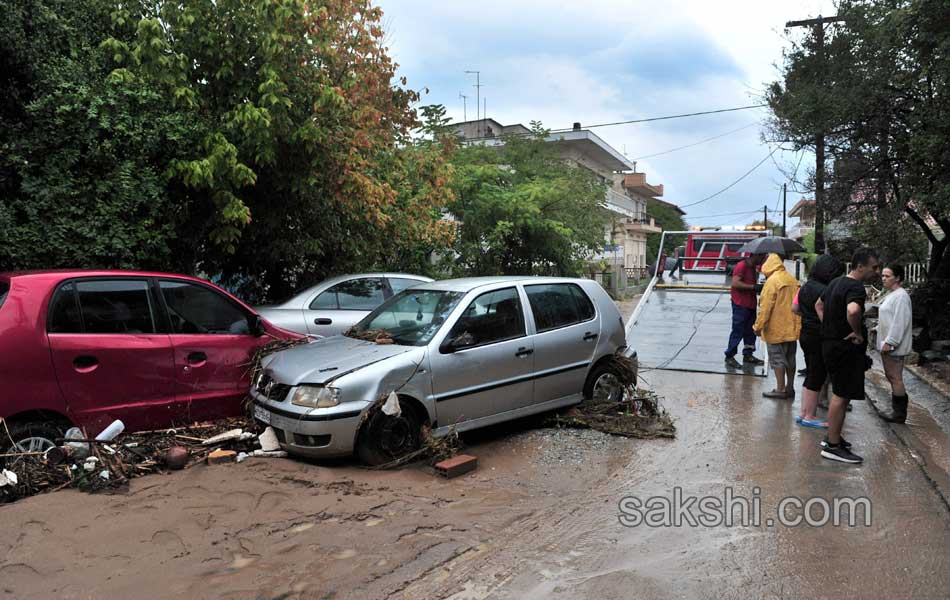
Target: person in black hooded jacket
(826,268)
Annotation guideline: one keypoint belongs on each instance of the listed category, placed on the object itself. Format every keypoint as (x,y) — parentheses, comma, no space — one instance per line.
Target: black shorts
(816,374)
(845,364)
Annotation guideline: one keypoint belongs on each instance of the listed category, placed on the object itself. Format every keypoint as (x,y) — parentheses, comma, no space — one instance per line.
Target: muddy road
(538,519)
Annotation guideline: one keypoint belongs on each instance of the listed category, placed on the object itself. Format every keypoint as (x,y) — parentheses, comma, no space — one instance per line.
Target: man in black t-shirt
(843,346)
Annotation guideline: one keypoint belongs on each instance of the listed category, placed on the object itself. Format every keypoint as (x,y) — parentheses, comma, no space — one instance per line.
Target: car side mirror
(257,326)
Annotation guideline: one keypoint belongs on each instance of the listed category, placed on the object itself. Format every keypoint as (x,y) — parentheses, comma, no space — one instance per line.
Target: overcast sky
(599,61)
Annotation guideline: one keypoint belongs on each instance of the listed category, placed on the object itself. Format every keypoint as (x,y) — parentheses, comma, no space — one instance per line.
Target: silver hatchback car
(460,354)
(333,305)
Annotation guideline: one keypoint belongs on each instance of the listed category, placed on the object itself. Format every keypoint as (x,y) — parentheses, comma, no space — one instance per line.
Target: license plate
(261,415)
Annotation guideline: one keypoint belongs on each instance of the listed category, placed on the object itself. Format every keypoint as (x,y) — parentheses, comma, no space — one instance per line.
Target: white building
(627,191)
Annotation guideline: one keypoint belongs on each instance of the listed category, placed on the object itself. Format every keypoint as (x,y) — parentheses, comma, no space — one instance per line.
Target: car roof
(69,273)
(466,284)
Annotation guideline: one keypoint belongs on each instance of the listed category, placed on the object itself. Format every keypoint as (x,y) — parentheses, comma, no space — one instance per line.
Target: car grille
(270,389)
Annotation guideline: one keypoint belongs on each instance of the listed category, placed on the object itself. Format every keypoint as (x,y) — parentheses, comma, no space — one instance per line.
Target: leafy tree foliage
(260,141)
(880,91)
(522,210)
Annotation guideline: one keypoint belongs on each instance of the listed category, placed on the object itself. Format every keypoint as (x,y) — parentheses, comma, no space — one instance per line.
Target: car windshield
(410,318)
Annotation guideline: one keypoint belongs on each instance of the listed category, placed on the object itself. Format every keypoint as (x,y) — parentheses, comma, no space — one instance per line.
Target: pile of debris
(637,413)
(112,458)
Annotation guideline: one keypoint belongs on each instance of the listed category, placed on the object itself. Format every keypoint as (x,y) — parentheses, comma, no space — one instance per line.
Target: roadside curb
(938,479)
(926,377)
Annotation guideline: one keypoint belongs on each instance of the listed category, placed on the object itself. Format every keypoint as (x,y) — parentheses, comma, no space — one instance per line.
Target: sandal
(775,394)
(816,424)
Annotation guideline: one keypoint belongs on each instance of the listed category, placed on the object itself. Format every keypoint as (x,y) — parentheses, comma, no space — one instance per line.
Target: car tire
(36,436)
(384,438)
(603,374)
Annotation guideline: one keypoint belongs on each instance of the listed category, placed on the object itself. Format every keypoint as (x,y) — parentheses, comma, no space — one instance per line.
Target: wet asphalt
(731,438)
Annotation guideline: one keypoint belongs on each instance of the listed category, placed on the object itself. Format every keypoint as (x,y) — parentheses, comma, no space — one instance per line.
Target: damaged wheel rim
(395,436)
(607,388)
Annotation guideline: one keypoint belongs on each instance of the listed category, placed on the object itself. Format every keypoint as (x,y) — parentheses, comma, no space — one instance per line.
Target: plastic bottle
(80,450)
(111,432)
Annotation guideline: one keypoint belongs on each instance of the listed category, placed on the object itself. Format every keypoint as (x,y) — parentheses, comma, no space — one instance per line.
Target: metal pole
(765,218)
(784,206)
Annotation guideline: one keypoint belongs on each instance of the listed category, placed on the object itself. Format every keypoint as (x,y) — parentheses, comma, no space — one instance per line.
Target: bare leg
(809,404)
(779,379)
(894,371)
(836,414)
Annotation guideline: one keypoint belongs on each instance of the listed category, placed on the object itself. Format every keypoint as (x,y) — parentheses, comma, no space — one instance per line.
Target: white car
(336,304)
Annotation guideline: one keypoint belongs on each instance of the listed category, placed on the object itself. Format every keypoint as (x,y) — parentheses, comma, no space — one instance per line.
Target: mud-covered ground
(538,519)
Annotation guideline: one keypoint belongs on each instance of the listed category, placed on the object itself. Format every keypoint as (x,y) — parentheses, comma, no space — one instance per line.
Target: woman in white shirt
(894,338)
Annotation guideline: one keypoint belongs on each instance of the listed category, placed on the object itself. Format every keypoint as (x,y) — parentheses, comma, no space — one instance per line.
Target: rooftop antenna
(478,98)
(464,108)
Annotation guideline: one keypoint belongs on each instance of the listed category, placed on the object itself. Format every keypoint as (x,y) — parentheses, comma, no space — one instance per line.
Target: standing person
(826,268)
(778,325)
(895,337)
(742,292)
(678,254)
(843,346)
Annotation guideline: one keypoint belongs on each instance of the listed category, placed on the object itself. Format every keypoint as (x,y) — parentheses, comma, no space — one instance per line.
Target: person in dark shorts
(742,290)
(826,268)
(844,346)
(679,254)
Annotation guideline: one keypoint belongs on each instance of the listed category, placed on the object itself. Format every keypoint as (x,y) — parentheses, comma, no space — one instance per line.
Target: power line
(746,174)
(715,137)
(695,114)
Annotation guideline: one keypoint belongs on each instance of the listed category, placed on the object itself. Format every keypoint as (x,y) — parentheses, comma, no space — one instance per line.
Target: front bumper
(313,432)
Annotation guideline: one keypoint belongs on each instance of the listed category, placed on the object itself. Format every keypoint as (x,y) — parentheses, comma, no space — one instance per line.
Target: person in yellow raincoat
(778,325)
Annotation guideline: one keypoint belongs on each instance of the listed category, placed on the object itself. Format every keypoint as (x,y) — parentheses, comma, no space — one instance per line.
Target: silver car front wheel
(607,388)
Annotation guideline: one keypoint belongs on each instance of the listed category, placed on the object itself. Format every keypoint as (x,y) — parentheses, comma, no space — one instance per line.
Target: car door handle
(524,352)
(85,363)
(197,358)
(588,336)
(323,321)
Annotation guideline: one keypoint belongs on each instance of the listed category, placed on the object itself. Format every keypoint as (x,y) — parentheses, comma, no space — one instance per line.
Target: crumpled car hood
(327,359)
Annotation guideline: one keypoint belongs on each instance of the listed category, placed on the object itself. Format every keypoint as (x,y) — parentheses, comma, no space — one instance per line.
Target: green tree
(264,142)
(81,156)
(307,166)
(669,219)
(521,209)
(880,93)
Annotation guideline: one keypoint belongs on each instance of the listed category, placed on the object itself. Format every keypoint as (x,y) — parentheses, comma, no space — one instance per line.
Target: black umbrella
(782,246)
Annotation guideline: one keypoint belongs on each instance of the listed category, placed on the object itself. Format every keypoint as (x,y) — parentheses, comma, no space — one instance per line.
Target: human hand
(855,338)
(887,348)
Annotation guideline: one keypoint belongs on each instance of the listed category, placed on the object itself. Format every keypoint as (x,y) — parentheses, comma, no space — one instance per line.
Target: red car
(87,347)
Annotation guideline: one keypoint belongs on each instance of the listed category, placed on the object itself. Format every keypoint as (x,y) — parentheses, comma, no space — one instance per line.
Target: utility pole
(464,107)
(478,97)
(819,25)
(784,207)
(765,217)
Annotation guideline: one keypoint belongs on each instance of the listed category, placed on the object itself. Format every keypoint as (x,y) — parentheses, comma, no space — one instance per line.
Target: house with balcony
(625,200)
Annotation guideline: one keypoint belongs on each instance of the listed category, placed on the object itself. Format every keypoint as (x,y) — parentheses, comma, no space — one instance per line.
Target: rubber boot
(898,413)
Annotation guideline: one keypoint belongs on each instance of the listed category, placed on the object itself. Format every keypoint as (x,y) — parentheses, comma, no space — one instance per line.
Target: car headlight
(316,396)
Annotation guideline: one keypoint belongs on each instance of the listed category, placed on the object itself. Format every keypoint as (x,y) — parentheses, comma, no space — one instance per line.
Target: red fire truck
(708,248)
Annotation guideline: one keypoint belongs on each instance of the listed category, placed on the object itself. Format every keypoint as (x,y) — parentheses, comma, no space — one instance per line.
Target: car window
(358,294)
(558,305)
(411,318)
(4,290)
(325,301)
(195,308)
(585,308)
(64,311)
(491,317)
(398,284)
(115,306)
